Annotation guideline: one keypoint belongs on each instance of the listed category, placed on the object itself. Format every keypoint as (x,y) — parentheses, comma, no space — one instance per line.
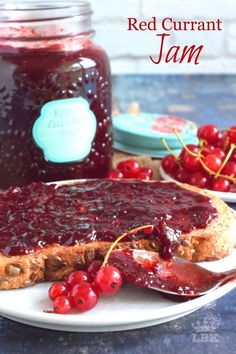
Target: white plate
(227,197)
(131,308)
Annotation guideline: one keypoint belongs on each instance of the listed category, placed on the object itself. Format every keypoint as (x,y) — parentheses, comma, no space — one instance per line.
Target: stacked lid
(142,133)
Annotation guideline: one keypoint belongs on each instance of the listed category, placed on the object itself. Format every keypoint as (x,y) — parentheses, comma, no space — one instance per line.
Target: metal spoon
(176,276)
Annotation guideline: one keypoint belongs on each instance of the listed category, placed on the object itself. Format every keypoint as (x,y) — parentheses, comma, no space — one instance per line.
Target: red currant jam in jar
(55,95)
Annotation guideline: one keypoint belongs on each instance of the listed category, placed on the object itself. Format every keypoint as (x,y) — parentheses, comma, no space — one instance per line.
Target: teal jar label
(65,130)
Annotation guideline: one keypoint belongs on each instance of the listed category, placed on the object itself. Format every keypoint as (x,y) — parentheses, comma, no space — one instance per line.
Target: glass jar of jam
(55,94)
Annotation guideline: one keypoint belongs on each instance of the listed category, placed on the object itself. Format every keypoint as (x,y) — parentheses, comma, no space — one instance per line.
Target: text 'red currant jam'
(176,53)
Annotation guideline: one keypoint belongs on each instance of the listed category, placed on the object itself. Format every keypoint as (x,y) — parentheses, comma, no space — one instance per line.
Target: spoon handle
(229,276)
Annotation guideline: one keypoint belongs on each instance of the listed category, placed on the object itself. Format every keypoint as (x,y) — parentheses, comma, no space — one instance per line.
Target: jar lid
(142,133)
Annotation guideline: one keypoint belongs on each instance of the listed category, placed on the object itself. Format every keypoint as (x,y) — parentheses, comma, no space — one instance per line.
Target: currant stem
(202,142)
(203,164)
(231,130)
(232,147)
(232,179)
(183,144)
(205,167)
(129,232)
(163,140)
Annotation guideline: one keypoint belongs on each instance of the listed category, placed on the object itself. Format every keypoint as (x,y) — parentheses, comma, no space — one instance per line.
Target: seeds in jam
(37,215)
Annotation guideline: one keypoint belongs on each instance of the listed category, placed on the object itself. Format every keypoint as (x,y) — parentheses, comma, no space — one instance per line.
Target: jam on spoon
(175,276)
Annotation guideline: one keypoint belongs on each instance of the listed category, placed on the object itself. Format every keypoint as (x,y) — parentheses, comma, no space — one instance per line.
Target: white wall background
(129,51)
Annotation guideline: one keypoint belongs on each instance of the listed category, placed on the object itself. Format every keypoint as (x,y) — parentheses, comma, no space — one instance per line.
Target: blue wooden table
(211,329)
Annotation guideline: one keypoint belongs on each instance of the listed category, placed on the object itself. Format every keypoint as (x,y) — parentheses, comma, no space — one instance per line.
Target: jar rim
(29,10)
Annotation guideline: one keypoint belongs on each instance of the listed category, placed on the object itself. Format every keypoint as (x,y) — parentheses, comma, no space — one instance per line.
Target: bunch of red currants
(131,169)
(82,289)
(211,164)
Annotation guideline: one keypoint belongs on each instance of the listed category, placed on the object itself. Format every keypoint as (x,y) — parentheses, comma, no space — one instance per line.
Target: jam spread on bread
(38,215)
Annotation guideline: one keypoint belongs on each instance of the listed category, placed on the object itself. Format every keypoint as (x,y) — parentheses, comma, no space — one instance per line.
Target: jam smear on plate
(38,215)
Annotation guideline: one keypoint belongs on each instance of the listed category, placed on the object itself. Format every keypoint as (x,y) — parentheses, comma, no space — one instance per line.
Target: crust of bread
(56,262)
(217,240)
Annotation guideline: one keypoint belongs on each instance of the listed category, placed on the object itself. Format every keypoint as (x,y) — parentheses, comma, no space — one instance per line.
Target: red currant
(84,297)
(220,184)
(191,163)
(145,174)
(233,156)
(209,133)
(207,149)
(232,134)
(169,163)
(129,168)
(115,174)
(78,277)
(229,169)
(61,305)
(191,147)
(143,177)
(182,175)
(108,280)
(222,142)
(94,268)
(148,171)
(233,188)
(213,162)
(198,179)
(220,153)
(57,289)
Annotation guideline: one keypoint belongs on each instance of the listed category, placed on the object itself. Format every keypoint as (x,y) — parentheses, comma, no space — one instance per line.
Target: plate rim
(226,196)
(101,329)
(76,319)
(173,309)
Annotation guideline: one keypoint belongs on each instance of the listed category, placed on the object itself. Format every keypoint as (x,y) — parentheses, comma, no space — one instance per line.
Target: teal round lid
(135,150)
(143,132)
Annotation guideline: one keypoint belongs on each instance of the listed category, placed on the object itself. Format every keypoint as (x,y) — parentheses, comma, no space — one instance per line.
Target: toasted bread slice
(56,262)
(217,240)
